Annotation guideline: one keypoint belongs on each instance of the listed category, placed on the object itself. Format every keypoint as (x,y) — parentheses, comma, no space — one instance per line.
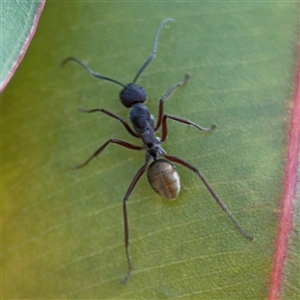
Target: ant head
(131,94)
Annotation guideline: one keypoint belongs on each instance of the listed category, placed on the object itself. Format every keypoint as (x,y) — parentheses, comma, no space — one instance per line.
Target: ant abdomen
(164,179)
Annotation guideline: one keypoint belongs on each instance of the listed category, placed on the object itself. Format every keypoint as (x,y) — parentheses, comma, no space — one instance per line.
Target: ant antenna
(93,73)
(154,51)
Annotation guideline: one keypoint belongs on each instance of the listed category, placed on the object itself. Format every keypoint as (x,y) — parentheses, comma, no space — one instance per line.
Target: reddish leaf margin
(24,49)
(290,182)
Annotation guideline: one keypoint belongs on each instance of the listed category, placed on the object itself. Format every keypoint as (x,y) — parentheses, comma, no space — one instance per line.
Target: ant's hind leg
(213,194)
(125,218)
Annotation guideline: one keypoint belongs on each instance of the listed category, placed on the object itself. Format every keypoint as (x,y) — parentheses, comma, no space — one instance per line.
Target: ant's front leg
(165,96)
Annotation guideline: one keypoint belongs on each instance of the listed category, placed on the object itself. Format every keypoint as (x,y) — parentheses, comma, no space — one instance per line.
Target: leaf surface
(63,229)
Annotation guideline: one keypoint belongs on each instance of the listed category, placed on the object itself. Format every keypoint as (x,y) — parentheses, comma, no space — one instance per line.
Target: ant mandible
(161,173)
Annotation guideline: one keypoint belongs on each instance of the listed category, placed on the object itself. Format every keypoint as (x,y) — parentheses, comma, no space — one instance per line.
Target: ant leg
(213,194)
(165,96)
(124,123)
(98,151)
(184,121)
(126,230)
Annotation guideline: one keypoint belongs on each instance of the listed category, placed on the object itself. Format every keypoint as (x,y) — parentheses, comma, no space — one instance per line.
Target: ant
(161,172)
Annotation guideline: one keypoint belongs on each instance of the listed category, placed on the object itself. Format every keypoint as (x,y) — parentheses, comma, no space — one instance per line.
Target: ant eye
(132,94)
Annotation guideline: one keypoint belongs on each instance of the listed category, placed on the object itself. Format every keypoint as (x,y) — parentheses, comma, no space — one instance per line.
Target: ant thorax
(142,120)
(144,125)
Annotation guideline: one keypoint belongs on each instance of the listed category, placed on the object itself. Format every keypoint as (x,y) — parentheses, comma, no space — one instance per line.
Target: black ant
(161,173)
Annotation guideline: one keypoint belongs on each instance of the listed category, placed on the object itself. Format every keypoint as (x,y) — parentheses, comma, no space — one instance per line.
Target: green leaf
(63,229)
(18,24)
